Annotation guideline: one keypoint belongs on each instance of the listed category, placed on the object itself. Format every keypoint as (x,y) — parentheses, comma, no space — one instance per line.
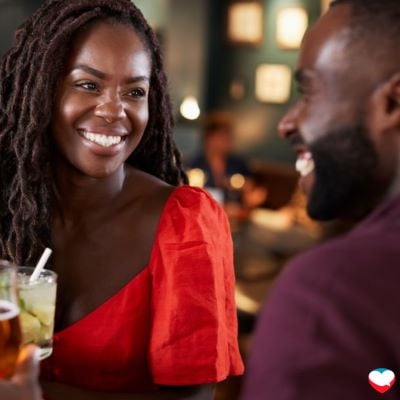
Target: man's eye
(300,90)
(304,94)
(88,86)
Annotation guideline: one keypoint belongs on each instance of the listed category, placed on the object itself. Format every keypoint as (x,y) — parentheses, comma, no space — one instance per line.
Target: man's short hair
(375,32)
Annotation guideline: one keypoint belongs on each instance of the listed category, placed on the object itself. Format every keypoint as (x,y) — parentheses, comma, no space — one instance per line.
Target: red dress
(173,324)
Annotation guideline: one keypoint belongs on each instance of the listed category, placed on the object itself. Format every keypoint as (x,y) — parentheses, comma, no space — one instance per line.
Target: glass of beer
(37,302)
(10,332)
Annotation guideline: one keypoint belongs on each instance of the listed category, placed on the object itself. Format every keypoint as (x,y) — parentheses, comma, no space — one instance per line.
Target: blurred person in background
(333,316)
(226,175)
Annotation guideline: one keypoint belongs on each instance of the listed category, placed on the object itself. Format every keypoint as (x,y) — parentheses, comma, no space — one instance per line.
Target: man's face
(327,128)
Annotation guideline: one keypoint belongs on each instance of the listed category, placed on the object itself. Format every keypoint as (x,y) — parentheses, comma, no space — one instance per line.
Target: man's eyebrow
(101,75)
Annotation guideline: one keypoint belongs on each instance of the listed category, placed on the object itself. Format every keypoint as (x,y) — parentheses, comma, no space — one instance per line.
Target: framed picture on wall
(291,25)
(273,82)
(245,22)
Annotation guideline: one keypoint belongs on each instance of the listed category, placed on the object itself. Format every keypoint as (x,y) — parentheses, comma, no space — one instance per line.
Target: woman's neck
(81,198)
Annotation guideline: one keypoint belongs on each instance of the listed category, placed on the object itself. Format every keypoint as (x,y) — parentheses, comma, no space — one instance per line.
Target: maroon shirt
(333,316)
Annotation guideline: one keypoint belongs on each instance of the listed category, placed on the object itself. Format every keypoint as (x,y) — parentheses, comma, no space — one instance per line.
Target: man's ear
(384,105)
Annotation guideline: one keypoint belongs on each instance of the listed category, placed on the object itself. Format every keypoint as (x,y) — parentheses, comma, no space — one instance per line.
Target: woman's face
(101,104)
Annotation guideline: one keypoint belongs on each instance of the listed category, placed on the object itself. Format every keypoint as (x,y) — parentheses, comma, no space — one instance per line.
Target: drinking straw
(40,265)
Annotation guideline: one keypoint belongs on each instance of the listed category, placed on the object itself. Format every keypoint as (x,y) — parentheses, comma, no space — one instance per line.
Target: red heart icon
(381,379)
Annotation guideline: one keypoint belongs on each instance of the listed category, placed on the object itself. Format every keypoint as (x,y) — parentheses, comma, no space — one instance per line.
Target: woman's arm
(56,391)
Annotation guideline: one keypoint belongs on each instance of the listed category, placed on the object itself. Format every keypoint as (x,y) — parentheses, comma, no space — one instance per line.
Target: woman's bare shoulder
(147,189)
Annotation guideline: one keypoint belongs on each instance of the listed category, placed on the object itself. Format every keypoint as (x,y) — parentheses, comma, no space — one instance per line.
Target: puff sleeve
(194,324)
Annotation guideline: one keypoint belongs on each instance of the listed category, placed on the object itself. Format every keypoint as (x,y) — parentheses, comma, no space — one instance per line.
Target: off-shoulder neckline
(164,214)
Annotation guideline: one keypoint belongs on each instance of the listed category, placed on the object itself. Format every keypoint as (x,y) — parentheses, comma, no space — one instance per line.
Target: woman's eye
(138,92)
(88,86)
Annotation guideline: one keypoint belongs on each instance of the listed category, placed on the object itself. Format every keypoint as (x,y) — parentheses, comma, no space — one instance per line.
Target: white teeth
(305,164)
(102,140)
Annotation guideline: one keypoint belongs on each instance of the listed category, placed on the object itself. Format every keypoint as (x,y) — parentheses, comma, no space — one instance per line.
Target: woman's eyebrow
(101,75)
(90,70)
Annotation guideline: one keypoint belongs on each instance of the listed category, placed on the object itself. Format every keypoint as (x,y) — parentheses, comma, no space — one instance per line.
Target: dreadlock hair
(28,74)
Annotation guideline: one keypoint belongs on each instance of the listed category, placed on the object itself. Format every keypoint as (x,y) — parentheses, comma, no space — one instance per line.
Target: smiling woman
(101,105)
(145,302)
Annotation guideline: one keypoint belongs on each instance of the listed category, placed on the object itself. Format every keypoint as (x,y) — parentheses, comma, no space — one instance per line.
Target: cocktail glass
(37,302)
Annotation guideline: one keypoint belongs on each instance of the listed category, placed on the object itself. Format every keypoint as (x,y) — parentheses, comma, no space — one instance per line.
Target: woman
(89,167)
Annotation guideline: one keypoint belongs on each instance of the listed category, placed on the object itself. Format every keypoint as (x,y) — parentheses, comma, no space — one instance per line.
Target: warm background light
(291,24)
(245,22)
(237,89)
(237,181)
(196,177)
(190,108)
(273,83)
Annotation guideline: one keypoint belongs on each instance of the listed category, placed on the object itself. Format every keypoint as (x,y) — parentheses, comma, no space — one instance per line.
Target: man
(334,314)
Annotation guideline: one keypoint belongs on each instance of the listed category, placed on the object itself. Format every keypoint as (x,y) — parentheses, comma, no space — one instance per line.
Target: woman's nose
(111,109)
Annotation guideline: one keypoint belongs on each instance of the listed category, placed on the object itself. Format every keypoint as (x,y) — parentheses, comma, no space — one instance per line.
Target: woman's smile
(103,141)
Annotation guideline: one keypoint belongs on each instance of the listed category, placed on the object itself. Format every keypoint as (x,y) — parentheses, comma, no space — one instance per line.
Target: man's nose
(288,124)
(111,109)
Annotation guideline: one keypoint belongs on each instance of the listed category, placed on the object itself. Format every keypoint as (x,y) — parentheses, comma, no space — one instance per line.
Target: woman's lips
(102,144)
(101,139)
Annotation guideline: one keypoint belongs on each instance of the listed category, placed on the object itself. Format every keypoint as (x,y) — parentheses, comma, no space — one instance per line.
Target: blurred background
(230,65)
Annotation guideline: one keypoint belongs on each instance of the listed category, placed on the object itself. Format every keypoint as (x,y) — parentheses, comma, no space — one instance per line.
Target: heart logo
(381,379)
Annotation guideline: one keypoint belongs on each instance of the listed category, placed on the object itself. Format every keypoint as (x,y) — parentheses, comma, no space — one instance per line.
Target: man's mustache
(296,140)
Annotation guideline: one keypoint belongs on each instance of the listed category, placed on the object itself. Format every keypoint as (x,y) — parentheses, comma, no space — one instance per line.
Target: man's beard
(346,181)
